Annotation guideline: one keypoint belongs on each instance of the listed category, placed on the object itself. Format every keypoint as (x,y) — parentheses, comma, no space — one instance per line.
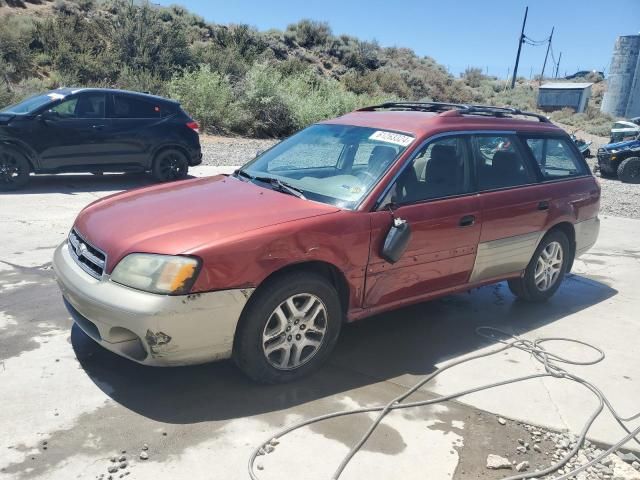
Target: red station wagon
(384,207)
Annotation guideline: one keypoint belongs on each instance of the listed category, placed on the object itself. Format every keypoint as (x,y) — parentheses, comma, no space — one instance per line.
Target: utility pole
(546,55)
(520,42)
(558,65)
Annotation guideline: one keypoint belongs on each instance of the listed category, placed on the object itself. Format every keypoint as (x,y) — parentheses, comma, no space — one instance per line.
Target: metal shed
(555,96)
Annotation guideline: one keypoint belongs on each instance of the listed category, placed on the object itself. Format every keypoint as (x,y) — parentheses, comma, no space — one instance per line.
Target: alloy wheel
(172,167)
(10,168)
(294,331)
(548,266)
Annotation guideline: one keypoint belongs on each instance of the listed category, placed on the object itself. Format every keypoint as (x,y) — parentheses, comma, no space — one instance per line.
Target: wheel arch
(21,150)
(569,230)
(319,267)
(168,146)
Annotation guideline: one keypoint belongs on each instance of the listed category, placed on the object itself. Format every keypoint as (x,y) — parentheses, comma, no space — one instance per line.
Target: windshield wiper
(275,183)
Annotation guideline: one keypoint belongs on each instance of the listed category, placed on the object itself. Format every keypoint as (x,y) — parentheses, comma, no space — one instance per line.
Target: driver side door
(435,194)
(71,133)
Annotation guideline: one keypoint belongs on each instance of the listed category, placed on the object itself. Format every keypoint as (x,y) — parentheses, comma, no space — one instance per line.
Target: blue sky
(457,33)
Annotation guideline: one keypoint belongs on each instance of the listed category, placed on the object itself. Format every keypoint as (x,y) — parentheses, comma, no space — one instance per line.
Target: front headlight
(166,274)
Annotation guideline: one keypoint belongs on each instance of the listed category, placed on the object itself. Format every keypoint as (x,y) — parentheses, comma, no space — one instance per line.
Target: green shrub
(206,95)
(309,33)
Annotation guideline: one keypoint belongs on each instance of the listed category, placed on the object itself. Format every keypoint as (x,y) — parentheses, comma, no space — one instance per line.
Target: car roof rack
(455,109)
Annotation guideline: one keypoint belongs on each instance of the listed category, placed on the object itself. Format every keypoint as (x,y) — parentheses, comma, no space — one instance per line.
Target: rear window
(132,107)
(556,157)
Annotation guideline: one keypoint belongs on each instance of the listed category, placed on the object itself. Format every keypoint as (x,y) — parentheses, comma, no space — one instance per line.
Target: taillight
(194,126)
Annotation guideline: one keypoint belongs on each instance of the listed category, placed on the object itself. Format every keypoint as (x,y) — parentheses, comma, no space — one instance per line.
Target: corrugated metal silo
(622,98)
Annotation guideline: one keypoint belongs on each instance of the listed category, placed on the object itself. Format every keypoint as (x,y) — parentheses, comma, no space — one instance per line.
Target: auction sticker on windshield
(390,137)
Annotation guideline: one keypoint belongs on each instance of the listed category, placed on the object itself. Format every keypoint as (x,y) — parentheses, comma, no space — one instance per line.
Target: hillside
(231,78)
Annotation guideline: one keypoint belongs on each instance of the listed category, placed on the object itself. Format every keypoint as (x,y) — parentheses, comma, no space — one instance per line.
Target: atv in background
(582,145)
(621,159)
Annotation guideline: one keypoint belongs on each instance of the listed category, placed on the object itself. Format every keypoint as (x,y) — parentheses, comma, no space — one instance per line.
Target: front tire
(629,170)
(288,329)
(14,169)
(170,165)
(545,271)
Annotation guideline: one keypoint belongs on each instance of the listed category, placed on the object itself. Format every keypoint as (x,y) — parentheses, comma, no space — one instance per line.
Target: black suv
(96,130)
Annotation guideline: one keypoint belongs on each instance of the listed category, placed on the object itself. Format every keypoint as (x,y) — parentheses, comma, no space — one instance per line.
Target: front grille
(91,259)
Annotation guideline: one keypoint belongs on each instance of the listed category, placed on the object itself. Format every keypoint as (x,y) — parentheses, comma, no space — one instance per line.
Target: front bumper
(606,163)
(160,330)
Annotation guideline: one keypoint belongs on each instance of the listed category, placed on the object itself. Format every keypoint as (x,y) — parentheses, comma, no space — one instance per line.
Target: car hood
(178,217)
(623,145)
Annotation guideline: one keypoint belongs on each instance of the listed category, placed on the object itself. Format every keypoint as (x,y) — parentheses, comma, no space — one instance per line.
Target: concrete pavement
(202,422)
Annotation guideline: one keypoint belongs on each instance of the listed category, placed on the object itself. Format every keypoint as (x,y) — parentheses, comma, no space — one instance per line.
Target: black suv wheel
(170,165)
(14,169)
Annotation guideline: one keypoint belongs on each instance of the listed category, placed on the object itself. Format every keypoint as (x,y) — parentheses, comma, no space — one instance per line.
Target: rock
(537,448)
(122,458)
(274,442)
(145,447)
(636,465)
(628,457)
(564,443)
(268,448)
(622,470)
(502,421)
(496,462)
(113,459)
(521,449)
(112,469)
(521,441)
(260,466)
(522,466)
(123,465)
(144,455)
(261,451)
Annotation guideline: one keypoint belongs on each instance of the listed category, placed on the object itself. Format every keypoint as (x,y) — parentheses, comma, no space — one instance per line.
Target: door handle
(97,127)
(544,205)
(467,221)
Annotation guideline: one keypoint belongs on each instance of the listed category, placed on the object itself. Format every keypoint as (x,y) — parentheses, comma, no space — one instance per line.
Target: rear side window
(500,162)
(556,157)
(132,107)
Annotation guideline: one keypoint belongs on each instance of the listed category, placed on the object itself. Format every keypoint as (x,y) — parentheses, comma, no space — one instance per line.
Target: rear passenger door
(515,205)
(134,135)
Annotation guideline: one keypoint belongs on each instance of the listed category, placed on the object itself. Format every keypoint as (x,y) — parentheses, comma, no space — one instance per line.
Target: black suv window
(125,106)
(441,169)
(84,105)
(556,157)
(500,162)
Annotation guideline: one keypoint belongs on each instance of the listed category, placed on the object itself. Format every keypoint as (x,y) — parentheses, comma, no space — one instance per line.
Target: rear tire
(545,271)
(170,165)
(629,170)
(14,169)
(288,328)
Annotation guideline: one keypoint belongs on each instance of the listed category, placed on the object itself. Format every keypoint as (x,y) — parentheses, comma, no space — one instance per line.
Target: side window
(87,105)
(441,169)
(500,163)
(555,157)
(125,106)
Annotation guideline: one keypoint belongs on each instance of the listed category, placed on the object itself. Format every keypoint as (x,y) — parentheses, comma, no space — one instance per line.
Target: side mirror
(47,115)
(396,241)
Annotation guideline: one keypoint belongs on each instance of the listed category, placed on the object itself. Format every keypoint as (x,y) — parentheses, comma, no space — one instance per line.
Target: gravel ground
(539,449)
(618,199)
(219,151)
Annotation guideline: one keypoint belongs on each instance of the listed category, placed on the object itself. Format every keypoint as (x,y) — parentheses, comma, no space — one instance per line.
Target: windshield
(32,104)
(336,164)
